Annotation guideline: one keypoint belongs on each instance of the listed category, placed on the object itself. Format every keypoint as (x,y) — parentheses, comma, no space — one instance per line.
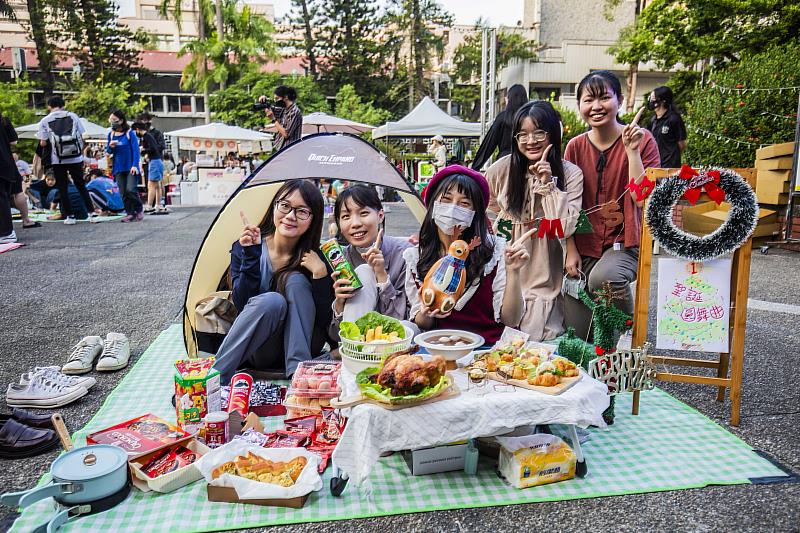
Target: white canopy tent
(427,120)
(219,137)
(93,131)
(324,123)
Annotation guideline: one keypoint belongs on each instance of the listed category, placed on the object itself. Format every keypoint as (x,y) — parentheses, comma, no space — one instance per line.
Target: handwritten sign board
(693,305)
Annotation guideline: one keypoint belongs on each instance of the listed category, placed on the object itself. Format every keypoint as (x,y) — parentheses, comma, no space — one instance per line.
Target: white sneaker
(83,355)
(54,374)
(70,221)
(9,239)
(43,393)
(94,218)
(116,352)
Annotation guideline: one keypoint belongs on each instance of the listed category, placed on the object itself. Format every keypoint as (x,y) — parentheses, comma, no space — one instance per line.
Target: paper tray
(228,495)
(172,480)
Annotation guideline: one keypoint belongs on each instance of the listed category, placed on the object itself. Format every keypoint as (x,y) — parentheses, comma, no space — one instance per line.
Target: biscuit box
(197,392)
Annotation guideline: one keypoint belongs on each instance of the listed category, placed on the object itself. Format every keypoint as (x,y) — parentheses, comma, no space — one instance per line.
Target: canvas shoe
(54,373)
(83,355)
(43,393)
(116,352)
(70,221)
(9,239)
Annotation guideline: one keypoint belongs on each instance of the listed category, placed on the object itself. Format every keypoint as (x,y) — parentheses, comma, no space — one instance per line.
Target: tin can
(216,428)
(334,254)
(239,399)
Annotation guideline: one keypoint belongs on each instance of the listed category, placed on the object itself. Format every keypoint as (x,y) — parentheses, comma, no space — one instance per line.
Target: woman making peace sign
(280,285)
(530,184)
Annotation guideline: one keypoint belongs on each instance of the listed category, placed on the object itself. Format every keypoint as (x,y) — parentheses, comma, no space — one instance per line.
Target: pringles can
(216,427)
(334,255)
(239,399)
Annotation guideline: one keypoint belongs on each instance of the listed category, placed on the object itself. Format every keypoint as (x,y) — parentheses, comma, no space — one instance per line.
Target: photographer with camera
(283,110)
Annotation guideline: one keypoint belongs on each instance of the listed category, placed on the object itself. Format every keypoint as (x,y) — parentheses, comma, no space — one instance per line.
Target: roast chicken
(408,374)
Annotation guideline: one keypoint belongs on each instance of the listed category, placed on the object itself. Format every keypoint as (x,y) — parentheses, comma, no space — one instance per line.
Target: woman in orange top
(610,154)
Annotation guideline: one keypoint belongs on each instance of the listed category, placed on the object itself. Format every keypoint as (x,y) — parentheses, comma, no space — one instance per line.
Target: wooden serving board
(563,385)
(350,401)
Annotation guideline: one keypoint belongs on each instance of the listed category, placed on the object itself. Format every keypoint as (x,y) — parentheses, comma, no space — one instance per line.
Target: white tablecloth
(475,412)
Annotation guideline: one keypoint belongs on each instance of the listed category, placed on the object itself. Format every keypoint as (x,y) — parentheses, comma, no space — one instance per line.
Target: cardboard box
(702,219)
(772,197)
(778,163)
(195,397)
(228,495)
(774,175)
(771,187)
(437,459)
(172,480)
(775,150)
(140,436)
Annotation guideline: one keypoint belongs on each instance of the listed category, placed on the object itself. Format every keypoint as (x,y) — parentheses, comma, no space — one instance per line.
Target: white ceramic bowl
(450,353)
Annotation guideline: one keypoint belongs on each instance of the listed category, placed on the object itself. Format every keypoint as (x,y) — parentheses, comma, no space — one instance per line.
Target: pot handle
(28,497)
(58,520)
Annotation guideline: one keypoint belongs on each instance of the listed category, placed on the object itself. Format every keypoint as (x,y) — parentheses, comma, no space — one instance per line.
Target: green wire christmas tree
(607,321)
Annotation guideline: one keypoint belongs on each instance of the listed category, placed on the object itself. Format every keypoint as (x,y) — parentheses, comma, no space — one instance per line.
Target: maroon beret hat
(458,169)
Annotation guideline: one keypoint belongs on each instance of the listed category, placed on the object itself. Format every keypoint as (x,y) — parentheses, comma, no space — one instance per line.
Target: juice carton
(197,392)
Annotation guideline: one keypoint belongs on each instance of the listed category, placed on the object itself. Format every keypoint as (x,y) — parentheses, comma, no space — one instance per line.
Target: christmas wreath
(719,184)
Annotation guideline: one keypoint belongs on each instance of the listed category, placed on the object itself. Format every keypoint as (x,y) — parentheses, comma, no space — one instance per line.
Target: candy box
(197,392)
(140,435)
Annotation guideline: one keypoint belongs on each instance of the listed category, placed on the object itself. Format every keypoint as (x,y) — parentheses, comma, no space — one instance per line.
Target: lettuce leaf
(384,395)
(349,330)
(374,319)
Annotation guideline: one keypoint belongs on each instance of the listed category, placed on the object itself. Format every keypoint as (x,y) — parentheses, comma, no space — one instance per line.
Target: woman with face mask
(377,259)
(531,183)
(280,285)
(123,145)
(457,198)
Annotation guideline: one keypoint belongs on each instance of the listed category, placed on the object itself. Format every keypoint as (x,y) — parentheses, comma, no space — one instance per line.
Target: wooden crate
(775,150)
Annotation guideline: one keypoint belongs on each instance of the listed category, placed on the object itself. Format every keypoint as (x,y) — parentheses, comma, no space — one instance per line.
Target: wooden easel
(740,284)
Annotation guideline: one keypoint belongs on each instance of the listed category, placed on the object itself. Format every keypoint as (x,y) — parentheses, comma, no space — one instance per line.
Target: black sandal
(36,224)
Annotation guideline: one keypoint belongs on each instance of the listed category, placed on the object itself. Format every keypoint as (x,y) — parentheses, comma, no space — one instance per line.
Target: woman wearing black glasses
(280,285)
(533,188)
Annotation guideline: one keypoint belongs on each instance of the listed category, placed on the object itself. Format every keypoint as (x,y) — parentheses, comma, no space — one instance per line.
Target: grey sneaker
(83,355)
(116,353)
(70,221)
(54,374)
(43,393)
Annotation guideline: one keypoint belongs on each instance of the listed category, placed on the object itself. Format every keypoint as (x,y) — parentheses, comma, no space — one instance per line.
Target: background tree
(412,23)
(14,101)
(95,99)
(349,105)
(96,39)
(305,14)
(467,65)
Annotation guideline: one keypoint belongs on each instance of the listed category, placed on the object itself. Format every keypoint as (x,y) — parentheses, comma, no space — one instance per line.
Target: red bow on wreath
(708,181)
(551,228)
(642,189)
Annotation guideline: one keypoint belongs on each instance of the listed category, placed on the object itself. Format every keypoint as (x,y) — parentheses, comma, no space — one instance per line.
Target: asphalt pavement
(90,279)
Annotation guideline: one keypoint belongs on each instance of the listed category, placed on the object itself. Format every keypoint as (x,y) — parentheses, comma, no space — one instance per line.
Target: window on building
(544,93)
(156,103)
(186,104)
(199,104)
(173,104)
(151,13)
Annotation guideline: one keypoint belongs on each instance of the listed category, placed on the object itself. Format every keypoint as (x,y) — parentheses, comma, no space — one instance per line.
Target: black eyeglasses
(302,213)
(536,136)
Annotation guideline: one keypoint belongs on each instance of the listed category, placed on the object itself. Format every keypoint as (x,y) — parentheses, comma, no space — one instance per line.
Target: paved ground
(91,279)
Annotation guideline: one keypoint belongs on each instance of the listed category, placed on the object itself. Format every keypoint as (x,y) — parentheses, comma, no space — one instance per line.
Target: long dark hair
(546,118)
(120,114)
(664,95)
(429,244)
(309,240)
(361,195)
(597,83)
(516,97)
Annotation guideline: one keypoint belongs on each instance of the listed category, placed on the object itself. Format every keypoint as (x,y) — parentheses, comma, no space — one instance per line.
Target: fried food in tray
(257,468)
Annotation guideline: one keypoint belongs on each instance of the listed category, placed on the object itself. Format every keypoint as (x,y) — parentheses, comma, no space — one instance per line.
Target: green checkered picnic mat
(41,216)
(668,446)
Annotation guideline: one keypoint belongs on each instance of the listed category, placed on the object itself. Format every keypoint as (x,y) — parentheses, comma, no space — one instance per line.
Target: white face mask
(448,216)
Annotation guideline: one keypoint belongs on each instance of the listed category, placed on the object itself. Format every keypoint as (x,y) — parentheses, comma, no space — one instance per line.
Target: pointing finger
(546,152)
(244,218)
(635,121)
(523,237)
(378,241)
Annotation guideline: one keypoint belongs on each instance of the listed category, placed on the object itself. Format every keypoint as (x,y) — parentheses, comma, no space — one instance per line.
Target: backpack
(64,137)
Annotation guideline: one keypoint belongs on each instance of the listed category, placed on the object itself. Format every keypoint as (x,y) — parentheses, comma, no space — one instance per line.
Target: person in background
(105,194)
(499,135)
(152,151)
(179,167)
(124,146)
(9,175)
(610,155)
(439,151)
(64,131)
(667,127)
(20,196)
(147,119)
(43,192)
(288,119)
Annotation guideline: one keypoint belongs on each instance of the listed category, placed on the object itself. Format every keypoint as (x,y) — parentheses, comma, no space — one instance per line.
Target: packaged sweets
(169,460)
(140,435)
(535,460)
(334,254)
(239,400)
(197,392)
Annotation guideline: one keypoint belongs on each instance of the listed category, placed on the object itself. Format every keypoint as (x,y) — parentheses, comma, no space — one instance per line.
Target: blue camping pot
(85,481)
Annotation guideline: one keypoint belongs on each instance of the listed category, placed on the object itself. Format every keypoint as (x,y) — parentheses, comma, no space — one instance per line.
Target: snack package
(197,392)
(289,439)
(241,385)
(169,460)
(324,453)
(332,427)
(307,423)
(316,379)
(140,435)
(251,436)
(535,460)
(266,398)
(334,254)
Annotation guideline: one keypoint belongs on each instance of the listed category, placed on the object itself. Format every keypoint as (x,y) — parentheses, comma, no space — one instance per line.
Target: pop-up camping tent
(323,155)
(427,120)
